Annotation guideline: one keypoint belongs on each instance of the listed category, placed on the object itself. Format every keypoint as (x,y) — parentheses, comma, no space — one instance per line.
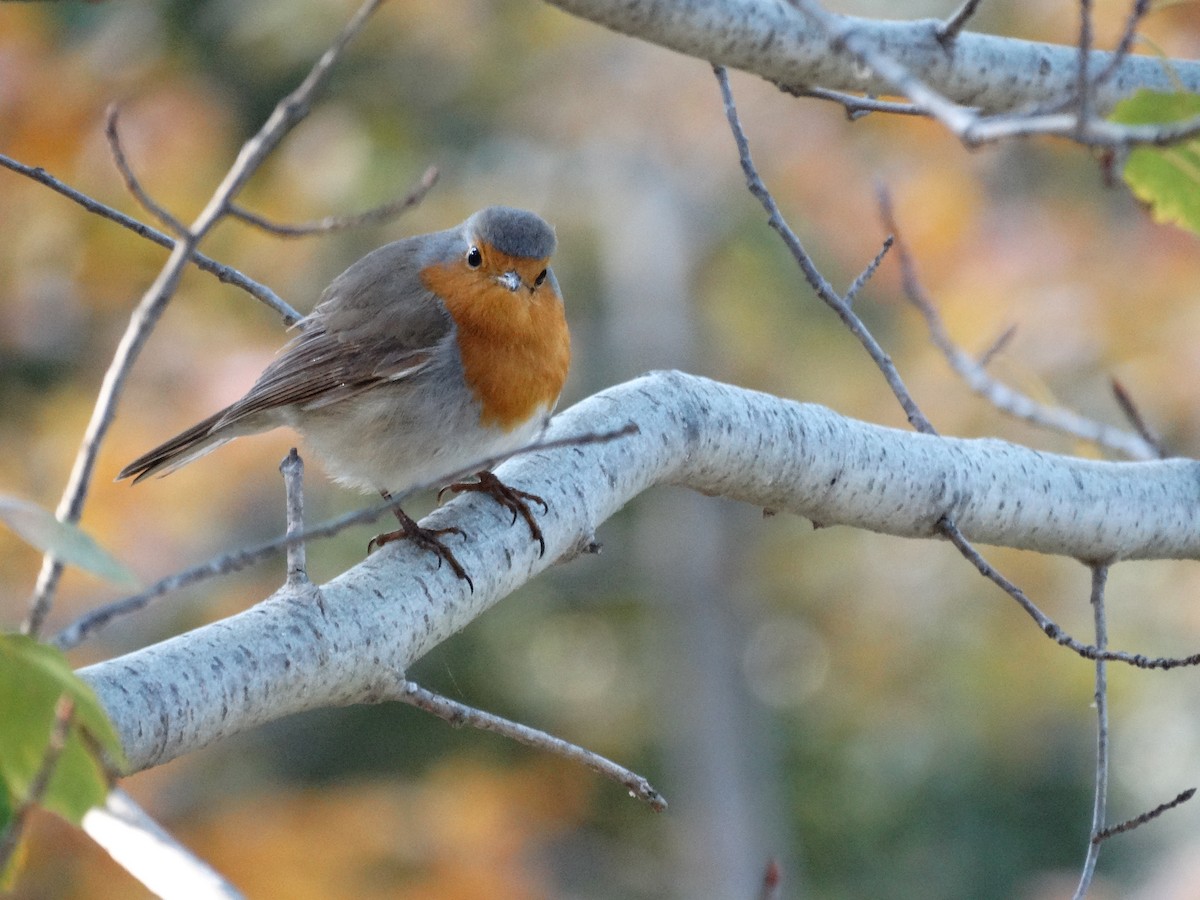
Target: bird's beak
(510,280)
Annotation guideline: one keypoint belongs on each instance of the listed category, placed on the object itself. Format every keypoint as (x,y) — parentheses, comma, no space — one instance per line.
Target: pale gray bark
(299,650)
(772,39)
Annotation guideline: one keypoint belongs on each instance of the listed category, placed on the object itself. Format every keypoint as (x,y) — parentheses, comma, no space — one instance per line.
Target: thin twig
(815,279)
(856,105)
(223,273)
(974,373)
(1137,821)
(91,622)
(1099,580)
(64,715)
(949,29)
(459,714)
(1083,84)
(1137,12)
(292,468)
(374,216)
(1048,626)
(997,346)
(130,178)
(860,282)
(1137,420)
(287,113)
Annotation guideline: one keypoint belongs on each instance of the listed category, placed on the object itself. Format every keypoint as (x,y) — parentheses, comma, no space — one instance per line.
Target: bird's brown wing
(376,322)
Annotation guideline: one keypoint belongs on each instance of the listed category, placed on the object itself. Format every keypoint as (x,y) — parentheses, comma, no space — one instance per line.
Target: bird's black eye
(474,258)
(541,277)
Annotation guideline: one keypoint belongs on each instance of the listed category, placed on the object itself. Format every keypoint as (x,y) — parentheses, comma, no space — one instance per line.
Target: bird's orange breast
(515,345)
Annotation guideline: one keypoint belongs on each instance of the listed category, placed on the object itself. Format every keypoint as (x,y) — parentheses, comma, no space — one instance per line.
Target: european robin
(425,357)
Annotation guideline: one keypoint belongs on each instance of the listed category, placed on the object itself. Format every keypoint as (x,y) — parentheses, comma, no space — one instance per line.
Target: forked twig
(813,275)
(287,113)
(130,178)
(1048,626)
(974,373)
(223,273)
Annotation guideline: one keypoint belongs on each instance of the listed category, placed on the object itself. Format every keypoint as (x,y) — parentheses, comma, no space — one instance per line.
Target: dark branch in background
(1005,398)
(287,113)
(223,273)
(339,223)
(458,714)
(948,30)
(815,279)
(1100,801)
(998,346)
(64,715)
(132,183)
(1045,623)
(1128,36)
(1137,420)
(91,622)
(1137,821)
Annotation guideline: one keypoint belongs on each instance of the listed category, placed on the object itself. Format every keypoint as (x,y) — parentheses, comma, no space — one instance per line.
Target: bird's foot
(515,501)
(428,539)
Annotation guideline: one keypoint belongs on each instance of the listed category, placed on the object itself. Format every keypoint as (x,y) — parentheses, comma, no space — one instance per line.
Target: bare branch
(223,273)
(131,180)
(948,30)
(996,74)
(339,223)
(287,654)
(860,282)
(1150,815)
(974,373)
(1045,623)
(856,106)
(292,468)
(1083,87)
(94,620)
(1152,438)
(147,852)
(997,346)
(1099,580)
(814,277)
(1125,44)
(289,111)
(459,714)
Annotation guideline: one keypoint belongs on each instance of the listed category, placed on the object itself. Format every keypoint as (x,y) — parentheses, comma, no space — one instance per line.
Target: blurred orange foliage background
(861,708)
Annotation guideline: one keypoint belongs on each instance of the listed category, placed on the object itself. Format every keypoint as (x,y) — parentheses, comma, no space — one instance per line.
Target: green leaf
(68,542)
(1166,178)
(33,677)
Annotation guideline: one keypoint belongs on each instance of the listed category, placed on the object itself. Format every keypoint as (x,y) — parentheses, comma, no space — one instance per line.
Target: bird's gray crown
(515,232)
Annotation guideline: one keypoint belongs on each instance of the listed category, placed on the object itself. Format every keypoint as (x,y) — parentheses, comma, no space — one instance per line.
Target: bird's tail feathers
(180,450)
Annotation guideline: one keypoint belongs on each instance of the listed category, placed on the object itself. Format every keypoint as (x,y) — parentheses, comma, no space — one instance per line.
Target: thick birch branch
(299,650)
(772,39)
